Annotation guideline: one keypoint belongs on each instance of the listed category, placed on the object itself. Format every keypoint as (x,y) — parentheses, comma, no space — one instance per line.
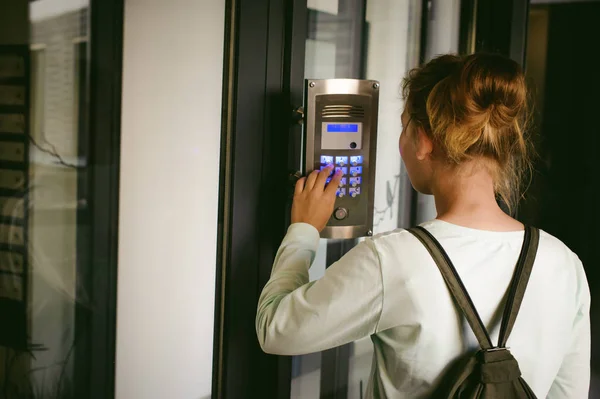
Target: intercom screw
(312,84)
(376,85)
(370,233)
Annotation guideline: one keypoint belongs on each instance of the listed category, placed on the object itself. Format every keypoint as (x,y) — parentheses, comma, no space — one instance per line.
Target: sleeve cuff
(304,232)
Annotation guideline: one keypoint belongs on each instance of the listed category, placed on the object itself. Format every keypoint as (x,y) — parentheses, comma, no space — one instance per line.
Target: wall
(173,53)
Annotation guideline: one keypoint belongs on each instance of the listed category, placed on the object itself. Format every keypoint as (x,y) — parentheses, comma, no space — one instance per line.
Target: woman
(463,142)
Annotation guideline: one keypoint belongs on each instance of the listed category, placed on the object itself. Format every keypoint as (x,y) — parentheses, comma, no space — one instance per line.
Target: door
(368,39)
(59,145)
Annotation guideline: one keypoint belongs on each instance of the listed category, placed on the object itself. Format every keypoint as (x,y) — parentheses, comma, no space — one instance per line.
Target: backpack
(491,371)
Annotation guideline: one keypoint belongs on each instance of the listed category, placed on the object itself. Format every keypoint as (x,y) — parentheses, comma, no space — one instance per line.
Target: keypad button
(340,213)
(354,192)
(343,182)
(340,192)
(356,170)
(341,161)
(355,181)
(326,160)
(356,160)
(344,170)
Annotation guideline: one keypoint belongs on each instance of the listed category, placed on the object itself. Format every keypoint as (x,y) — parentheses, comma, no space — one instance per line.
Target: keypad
(349,166)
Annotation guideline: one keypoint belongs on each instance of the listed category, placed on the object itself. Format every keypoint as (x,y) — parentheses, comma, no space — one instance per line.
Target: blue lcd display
(342,128)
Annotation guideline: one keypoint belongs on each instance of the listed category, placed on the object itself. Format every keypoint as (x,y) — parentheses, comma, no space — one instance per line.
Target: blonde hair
(475,106)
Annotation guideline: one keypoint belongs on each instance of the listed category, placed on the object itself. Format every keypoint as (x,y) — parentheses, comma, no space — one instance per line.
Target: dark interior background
(564,196)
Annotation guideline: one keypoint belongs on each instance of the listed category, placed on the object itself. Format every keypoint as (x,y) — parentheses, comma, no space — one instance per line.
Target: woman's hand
(313,202)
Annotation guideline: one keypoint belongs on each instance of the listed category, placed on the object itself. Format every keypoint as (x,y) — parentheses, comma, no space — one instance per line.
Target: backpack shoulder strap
(455,285)
(519,283)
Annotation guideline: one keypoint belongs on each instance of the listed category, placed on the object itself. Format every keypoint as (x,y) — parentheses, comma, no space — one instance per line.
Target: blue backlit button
(323,167)
(355,181)
(343,182)
(354,191)
(356,170)
(356,160)
(326,159)
(341,161)
(328,180)
(340,192)
(344,170)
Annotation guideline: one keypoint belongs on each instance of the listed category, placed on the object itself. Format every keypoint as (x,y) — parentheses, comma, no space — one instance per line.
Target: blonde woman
(463,142)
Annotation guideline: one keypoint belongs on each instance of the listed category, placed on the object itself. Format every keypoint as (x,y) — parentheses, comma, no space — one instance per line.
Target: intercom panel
(341,129)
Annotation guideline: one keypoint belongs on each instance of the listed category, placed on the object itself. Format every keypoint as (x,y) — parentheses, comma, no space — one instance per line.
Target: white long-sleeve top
(388,287)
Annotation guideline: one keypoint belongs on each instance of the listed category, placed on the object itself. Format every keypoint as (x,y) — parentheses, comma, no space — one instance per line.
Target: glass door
(364,39)
(58,194)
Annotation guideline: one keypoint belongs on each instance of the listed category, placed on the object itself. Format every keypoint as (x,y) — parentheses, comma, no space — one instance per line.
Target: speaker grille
(343,111)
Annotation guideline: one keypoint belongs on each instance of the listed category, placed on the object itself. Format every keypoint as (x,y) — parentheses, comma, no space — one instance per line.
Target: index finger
(333,185)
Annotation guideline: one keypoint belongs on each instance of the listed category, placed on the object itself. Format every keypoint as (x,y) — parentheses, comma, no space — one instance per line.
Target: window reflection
(41,196)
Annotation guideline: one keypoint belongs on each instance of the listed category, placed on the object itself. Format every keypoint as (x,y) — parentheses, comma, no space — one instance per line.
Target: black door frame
(98,209)
(263,83)
(253,196)
(494,26)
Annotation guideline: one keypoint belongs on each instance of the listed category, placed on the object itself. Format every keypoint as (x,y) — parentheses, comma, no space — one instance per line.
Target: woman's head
(465,110)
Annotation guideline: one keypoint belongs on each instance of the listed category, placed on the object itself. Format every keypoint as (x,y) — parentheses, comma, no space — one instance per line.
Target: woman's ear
(424,144)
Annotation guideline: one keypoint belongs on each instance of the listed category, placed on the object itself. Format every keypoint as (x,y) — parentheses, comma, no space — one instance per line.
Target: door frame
(253,197)
(495,26)
(98,194)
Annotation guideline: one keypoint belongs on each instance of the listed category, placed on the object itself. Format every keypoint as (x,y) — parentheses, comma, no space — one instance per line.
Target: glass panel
(43,208)
(442,37)
(381,41)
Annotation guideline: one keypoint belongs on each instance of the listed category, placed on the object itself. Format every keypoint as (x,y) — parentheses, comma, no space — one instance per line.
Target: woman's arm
(296,316)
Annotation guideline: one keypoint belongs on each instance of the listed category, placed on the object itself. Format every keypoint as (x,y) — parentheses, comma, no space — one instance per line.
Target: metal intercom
(340,128)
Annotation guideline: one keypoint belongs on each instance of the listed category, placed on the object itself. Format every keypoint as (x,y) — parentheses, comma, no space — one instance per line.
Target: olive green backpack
(490,372)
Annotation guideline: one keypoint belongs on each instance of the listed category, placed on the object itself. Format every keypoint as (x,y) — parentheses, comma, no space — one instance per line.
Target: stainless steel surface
(344,232)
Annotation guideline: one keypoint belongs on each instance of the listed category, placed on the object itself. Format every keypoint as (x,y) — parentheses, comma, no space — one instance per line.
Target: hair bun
(496,86)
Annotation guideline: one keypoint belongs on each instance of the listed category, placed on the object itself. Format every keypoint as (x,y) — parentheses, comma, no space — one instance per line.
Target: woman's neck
(466,197)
